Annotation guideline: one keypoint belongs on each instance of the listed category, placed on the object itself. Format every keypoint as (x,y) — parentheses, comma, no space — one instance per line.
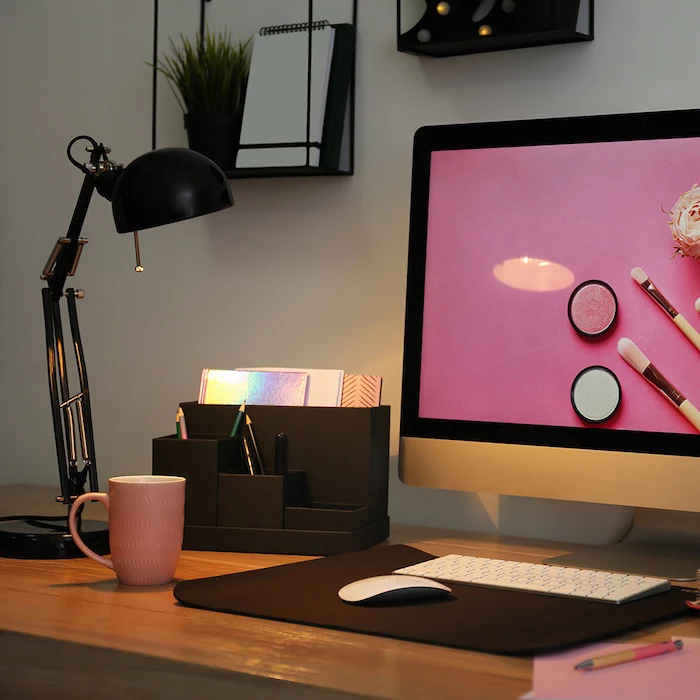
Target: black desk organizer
(333,498)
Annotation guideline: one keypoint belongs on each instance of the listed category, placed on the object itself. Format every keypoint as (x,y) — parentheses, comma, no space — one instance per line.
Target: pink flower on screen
(685,223)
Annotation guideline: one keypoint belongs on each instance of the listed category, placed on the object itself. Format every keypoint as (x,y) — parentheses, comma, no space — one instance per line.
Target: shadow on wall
(282,218)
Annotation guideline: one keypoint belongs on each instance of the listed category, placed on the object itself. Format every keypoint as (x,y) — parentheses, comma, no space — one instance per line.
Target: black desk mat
(473,617)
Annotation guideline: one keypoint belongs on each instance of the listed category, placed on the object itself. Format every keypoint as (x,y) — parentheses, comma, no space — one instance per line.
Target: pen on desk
(622,657)
(257,459)
(247,455)
(235,429)
(281,454)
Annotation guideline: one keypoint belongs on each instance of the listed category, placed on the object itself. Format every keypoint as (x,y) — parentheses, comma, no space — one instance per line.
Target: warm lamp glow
(533,274)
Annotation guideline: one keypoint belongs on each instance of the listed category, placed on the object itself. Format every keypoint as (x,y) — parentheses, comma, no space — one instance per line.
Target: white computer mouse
(393,588)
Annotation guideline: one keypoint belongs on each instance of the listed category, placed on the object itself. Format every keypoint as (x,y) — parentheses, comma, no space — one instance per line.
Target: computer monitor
(508,221)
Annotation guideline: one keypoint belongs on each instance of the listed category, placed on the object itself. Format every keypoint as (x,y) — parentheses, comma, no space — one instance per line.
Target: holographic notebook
(228,386)
(324,387)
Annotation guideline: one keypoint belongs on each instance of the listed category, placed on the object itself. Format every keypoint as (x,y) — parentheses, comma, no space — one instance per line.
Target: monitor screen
(536,251)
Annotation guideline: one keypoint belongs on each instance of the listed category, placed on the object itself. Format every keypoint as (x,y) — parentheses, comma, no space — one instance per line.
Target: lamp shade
(168,185)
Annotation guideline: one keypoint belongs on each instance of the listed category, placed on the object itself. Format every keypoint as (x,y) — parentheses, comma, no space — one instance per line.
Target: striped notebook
(361,391)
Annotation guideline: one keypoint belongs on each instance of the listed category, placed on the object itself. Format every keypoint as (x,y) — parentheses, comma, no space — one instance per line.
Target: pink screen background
(499,354)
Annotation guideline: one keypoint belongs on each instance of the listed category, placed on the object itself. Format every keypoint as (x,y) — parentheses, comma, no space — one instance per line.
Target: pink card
(673,675)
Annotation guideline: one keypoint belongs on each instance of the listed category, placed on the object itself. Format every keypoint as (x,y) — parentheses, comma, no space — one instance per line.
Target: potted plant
(208,78)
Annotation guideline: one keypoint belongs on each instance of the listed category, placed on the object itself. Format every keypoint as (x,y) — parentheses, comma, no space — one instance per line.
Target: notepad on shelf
(275,109)
(225,386)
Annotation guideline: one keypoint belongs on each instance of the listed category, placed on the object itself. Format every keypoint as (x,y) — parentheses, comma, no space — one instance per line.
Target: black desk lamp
(159,187)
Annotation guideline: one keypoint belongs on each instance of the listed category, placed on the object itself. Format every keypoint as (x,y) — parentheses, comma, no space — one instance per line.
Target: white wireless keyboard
(604,586)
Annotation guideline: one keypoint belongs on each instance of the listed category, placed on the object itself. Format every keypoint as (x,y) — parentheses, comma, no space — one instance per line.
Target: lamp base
(50,538)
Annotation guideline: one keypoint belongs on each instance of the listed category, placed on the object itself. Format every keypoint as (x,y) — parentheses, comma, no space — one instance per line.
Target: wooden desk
(68,630)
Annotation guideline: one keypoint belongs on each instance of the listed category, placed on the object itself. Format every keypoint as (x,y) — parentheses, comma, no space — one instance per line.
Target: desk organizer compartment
(200,460)
(259,501)
(332,499)
(326,516)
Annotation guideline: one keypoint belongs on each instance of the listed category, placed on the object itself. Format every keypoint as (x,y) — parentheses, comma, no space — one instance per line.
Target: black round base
(39,538)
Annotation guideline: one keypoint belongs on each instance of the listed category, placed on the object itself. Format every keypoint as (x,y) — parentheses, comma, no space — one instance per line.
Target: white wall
(301,272)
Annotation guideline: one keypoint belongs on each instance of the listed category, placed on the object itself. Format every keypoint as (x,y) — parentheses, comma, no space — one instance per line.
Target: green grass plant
(210,76)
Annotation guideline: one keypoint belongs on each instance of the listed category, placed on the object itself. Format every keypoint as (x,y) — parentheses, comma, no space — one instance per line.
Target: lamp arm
(87,438)
(61,263)
(51,306)
(67,250)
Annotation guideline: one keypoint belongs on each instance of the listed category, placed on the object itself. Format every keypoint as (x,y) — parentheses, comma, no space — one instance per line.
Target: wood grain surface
(69,630)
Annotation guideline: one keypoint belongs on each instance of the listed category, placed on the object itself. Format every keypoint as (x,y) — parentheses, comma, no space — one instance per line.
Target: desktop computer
(550,347)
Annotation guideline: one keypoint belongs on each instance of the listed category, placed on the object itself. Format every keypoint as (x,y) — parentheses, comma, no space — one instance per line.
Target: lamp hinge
(60,247)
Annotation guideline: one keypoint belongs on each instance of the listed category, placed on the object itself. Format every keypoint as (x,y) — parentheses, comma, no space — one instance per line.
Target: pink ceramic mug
(146,519)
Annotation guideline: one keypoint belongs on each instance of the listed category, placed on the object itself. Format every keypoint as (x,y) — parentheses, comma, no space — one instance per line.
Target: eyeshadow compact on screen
(592,308)
(596,394)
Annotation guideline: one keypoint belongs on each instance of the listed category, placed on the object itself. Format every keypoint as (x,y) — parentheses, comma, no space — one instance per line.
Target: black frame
(561,34)
(552,131)
(279,171)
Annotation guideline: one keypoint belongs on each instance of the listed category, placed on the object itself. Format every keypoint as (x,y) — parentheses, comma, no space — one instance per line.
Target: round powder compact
(596,394)
(592,308)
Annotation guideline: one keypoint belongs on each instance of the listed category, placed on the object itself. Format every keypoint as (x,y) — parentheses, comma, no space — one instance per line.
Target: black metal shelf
(348,151)
(303,170)
(496,43)
(551,22)
(284,171)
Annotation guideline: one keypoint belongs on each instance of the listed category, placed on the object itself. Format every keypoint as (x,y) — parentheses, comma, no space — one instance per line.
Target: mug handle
(103,498)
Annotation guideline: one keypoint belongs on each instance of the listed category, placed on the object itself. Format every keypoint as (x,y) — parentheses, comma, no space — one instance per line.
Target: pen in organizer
(281,454)
(639,361)
(641,278)
(180,425)
(623,657)
(247,455)
(238,421)
(253,444)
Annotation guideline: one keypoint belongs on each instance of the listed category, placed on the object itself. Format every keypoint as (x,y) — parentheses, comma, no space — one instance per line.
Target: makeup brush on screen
(639,361)
(650,288)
